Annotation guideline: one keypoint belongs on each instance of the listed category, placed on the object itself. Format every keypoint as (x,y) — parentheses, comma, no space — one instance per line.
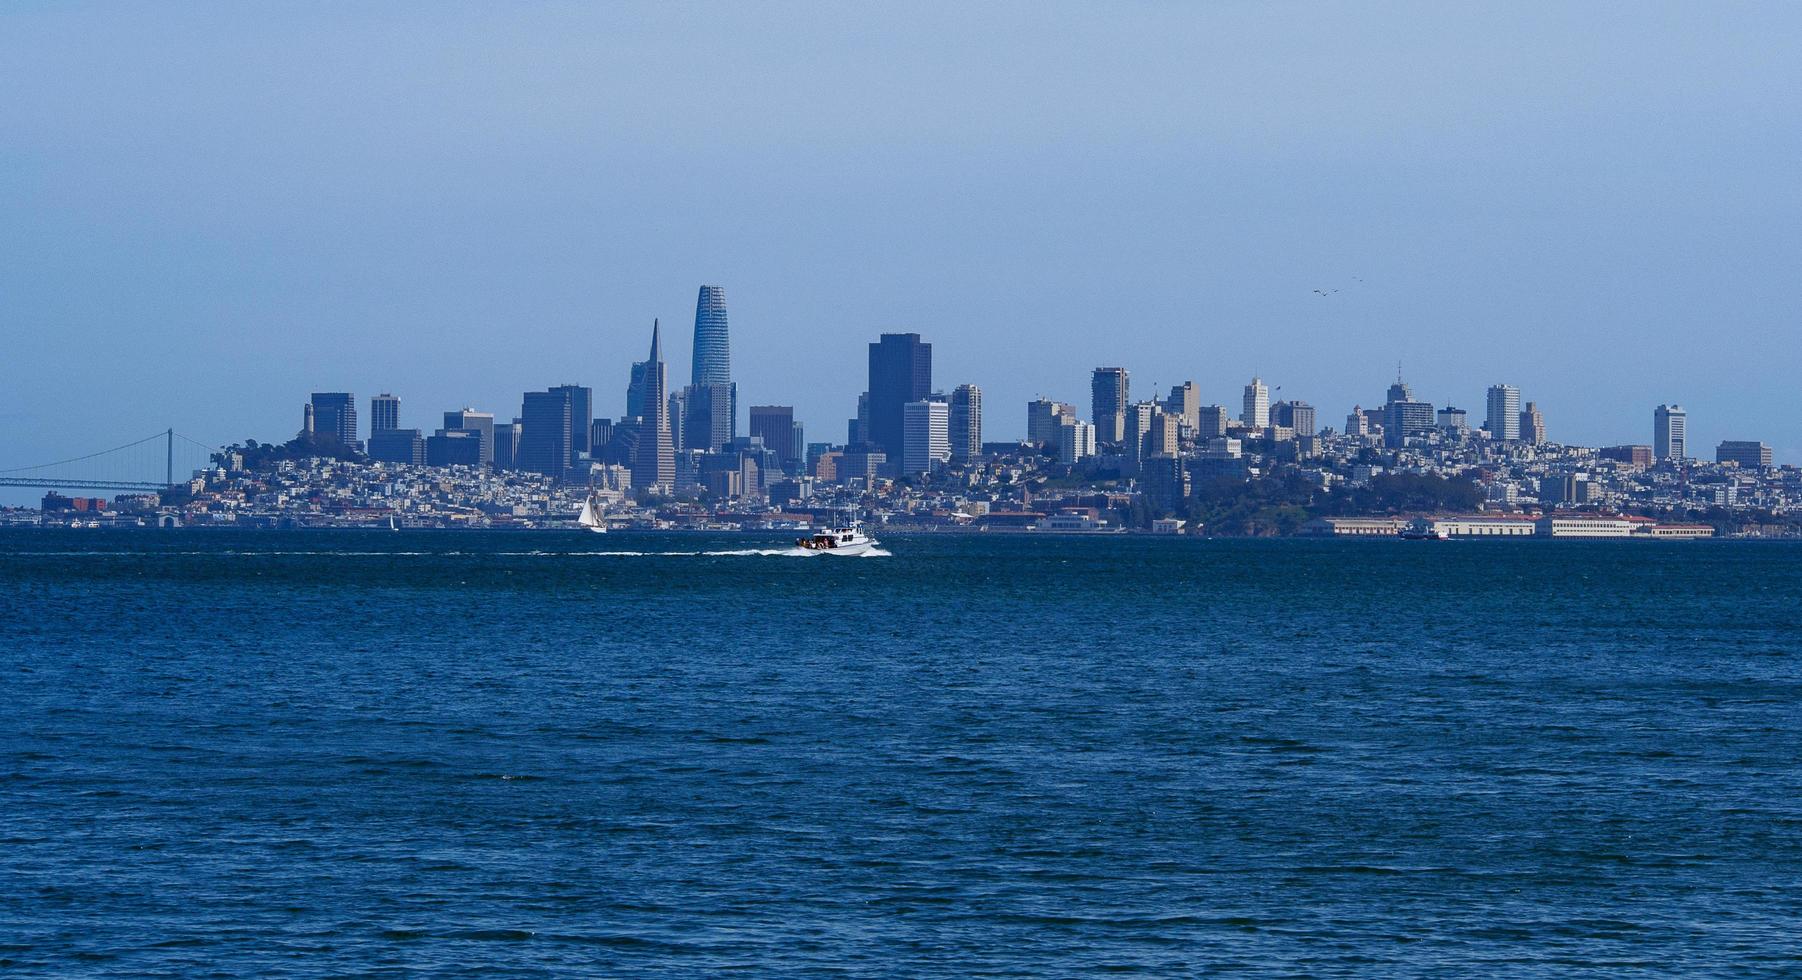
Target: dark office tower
(581,416)
(599,435)
(857,430)
(1108,394)
(335,417)
(397,446)
(775,425)
(481,423)
(384,413)
(966,423)
(454,447)
(506,445)
(635,392)
(654,465)
(545,439)
(900,372)
(708,415)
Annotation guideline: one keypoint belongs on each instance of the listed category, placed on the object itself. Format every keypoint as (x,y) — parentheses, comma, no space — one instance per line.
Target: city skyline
(1306,197)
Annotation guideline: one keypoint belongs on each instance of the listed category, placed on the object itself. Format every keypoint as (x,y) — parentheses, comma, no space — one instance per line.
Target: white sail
(590,518)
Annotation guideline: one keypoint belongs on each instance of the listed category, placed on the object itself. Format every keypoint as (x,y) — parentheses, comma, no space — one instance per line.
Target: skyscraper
(1532,425)
(1298,416)
(1042,416)
(966,423)
(713,348)
(581,416)
(775,425)
(654,464)
(1075,439)
(482,424)
(635,392)
(1108,391)
(506,445)
(1669,425)
(1403,416)
(1503,420)
(1163,437)
(710,402)
(900,372)
(544,435)
(384,413)
(1257,405)
(1185,403)
(1138,429)
(335,417)
(926,435)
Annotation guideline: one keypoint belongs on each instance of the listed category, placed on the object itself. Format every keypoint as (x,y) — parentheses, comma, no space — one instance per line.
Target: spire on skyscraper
(656,343)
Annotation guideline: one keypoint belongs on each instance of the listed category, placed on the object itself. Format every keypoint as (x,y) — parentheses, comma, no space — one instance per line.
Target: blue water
(321,753)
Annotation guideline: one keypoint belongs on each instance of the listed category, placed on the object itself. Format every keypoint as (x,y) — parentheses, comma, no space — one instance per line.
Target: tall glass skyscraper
(713,347)
(710,402)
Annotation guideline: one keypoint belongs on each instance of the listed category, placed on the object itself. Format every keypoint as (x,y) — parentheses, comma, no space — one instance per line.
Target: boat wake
(734,553)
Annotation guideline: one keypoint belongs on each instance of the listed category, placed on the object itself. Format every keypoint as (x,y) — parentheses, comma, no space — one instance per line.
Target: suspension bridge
(151,464)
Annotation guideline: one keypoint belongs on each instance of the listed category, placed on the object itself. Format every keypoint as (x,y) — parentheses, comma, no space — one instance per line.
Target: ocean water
(468,754)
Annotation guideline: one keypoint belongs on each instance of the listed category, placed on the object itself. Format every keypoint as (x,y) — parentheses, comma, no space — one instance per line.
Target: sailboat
(590,517)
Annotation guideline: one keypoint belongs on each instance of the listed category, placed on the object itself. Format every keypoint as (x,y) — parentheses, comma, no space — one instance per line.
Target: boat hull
(846,550)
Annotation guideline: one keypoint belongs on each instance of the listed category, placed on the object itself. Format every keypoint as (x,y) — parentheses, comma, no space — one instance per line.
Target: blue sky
(207,211)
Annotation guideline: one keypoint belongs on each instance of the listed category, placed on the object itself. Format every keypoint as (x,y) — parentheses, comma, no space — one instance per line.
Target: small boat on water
(590,517)
(1424,531)
(849,540)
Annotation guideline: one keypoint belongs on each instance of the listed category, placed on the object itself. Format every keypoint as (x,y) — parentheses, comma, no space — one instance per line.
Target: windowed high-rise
(1108,392)
(1532,425)
(335,416)
(1503,422)
(1185,403)
(775,425)
(966,423)
(713,347)
(1256,411)
(482,424)
(1042,420)
(581,416)
(926,427)
(544,436)
(654,463)
(1299,416)
(1403,416)
(384,413)
(900,372)
(710,402)
(1669,423)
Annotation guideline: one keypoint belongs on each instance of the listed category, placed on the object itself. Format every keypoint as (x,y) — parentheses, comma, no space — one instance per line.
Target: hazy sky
(208,211)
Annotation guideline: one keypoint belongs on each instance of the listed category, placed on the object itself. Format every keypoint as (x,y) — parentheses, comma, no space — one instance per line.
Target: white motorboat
(838,541)
(590,517)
